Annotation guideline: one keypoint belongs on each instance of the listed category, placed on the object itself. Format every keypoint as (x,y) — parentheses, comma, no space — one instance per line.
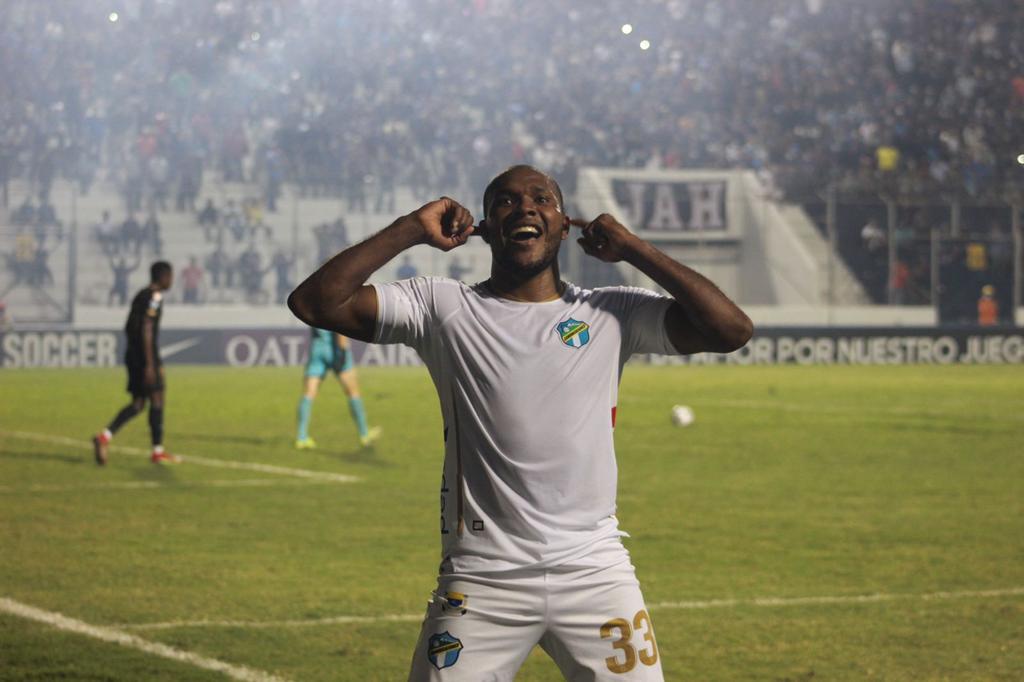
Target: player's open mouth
(523,233)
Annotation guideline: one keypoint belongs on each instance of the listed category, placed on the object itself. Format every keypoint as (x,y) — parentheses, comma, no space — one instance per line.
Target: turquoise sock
(355,406)
(305,410)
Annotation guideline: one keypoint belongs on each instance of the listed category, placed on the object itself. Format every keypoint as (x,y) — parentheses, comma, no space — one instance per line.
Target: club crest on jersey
(573,333)
(443,650)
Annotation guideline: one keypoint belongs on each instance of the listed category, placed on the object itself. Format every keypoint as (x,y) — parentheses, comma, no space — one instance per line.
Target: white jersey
(528,395)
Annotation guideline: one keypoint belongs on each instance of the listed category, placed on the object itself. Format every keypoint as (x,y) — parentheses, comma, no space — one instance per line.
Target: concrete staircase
(847,290)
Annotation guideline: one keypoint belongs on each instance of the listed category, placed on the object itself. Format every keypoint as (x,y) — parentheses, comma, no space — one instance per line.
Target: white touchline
(115,636)
(150,485)
(705,604)
(194,459)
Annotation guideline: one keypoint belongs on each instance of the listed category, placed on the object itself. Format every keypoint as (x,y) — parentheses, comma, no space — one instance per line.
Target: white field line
(194,459)
(149,485)
(686,605)
(115,636)
(784,406)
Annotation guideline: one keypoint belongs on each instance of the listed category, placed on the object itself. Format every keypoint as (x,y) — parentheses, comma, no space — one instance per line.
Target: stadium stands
(353,97)
(382,103)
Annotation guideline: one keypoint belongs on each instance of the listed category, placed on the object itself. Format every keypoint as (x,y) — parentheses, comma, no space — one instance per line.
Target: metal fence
(952,255)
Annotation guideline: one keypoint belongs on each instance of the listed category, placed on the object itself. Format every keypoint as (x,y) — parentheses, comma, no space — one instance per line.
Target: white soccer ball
(682,415)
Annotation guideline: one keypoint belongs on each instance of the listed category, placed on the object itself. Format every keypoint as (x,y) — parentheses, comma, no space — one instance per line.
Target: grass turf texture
(793,482)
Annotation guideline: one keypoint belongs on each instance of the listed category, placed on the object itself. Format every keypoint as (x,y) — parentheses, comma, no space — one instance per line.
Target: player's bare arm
(702,319)
(336,297)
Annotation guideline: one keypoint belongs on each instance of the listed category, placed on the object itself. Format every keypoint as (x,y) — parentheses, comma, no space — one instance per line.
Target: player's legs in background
(101,441)
(599,627)
(350,384)
(140,392)
(156,428)
(309,391)
(346,374)
(156,420)
(478,631)
(127,413)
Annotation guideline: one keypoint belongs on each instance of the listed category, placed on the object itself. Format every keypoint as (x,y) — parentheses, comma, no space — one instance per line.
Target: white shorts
(591,621)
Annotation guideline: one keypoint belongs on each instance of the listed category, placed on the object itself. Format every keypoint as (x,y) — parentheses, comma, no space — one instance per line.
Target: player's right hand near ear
(336,296)
(445,224)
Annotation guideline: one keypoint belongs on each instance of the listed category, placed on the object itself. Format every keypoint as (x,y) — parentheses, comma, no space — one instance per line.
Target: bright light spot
(255,36)
(113,17)
(1020,159)
(645,44)
(627,29)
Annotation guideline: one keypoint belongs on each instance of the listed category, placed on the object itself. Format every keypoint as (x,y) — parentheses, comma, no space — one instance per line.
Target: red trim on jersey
(614,409)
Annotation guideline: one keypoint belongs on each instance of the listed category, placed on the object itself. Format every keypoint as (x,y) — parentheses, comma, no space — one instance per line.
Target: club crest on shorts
(573,333)
(455,601)
(443,650)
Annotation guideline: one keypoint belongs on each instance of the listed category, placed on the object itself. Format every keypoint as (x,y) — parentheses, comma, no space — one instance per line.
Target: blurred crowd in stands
(921,101)
(235,238)
(37,232)
(351,98)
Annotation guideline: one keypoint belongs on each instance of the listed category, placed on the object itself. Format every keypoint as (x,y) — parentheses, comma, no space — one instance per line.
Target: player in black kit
(145,372)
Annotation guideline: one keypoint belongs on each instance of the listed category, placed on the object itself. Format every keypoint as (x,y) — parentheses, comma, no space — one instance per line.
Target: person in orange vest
(988,307)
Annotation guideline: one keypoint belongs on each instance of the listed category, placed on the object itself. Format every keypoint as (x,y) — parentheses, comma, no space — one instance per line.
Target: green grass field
(906,483)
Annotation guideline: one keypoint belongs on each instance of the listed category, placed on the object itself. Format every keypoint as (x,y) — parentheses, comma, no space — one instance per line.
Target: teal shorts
(324,357)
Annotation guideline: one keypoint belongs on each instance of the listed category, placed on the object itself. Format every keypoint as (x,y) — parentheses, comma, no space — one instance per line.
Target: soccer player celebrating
(331,351)
(145,371)
(527,369)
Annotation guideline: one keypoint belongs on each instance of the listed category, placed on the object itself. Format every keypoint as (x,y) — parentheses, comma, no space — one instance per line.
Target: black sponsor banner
(289,347)
(233,347)
(60,349)
(673,207)
(869,346)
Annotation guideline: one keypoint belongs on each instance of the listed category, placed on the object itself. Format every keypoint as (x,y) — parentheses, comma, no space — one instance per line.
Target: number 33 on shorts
(620,631)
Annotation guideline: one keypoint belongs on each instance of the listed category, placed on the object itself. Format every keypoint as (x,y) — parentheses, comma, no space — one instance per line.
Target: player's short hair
(489,192)
(158,269)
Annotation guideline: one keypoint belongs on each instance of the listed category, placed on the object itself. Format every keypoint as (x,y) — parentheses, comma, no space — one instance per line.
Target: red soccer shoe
(99,448)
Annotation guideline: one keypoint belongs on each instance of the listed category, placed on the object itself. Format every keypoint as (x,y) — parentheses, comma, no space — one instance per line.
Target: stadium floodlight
(113,17)
(645,44)
(1020,159)
(627,29)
